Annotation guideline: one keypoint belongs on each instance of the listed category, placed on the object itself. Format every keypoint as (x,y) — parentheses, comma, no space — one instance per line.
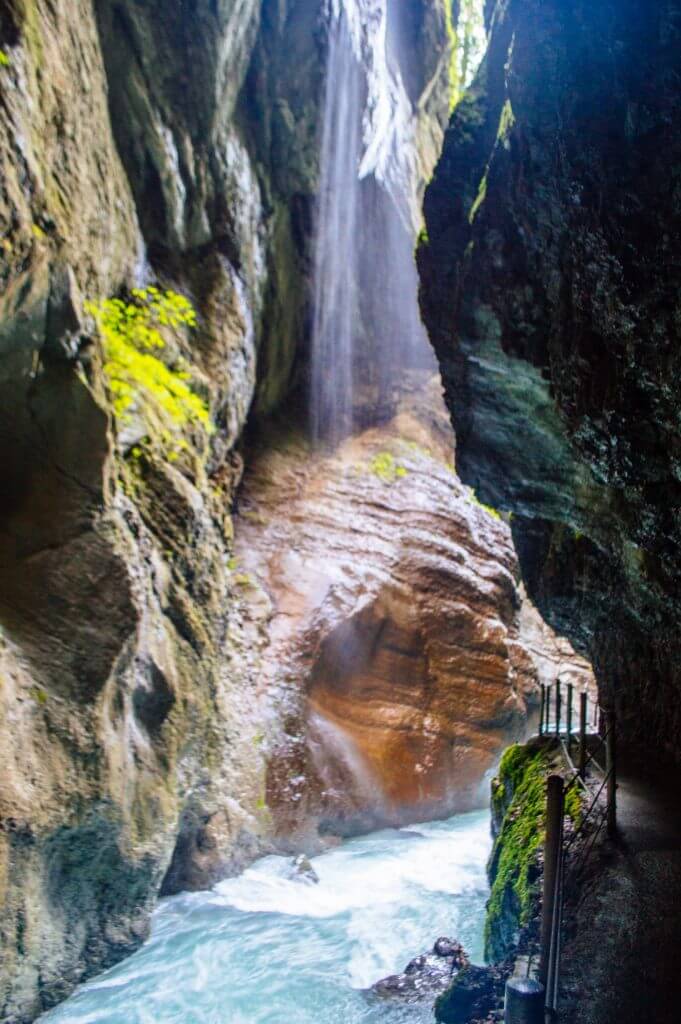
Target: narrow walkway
(622,961)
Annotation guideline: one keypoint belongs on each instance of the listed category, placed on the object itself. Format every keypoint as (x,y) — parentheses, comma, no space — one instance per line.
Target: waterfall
(338,760)
(335,280)
(366,329)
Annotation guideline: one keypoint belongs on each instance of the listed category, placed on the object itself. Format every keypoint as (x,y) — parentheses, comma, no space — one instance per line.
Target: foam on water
(264,949)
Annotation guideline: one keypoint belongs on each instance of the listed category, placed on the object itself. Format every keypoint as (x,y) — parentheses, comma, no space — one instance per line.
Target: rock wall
(135,148)
(402,655)
(550,288)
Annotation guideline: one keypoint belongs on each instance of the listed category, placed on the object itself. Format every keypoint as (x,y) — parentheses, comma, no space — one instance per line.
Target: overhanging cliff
(550,289)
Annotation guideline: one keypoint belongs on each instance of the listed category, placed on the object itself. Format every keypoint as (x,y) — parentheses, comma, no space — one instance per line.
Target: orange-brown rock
(397,660)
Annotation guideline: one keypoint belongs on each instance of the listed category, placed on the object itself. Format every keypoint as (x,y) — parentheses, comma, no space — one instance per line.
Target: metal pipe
(541,711)
(569,714)
(611,770)
(583,698)
(557,707)
(555,800)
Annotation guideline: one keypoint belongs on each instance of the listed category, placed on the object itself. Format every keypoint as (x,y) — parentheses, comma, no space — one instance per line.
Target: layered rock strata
(400,653)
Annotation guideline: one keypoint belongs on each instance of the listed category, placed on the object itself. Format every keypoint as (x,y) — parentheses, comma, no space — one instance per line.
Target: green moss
(4,59)
(137,378)
(39,695)
(243,579)
(386,468)
(254,516)
(522,779)
(506,121)
(473,498)
(573,805)
(479,199)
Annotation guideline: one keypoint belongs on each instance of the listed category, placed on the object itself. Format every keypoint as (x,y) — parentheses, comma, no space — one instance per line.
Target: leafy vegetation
(4,59)
(137,378)
(386,468)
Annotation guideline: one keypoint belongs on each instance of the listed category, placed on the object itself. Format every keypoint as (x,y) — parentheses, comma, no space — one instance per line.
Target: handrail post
(583,697)
(569,715)
(611,769)
(557,707)
(524,1001)
(541,709)
(555,800)
(548,709)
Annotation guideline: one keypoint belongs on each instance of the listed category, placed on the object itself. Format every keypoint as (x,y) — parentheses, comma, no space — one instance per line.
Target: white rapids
(265,949)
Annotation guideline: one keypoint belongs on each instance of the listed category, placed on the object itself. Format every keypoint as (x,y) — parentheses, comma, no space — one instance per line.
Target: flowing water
(335,312)
(366,328)
(266,949)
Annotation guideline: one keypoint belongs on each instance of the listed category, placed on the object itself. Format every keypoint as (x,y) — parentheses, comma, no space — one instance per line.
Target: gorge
(253,602)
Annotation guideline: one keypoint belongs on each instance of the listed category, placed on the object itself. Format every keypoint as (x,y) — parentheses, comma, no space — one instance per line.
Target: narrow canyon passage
(340,456)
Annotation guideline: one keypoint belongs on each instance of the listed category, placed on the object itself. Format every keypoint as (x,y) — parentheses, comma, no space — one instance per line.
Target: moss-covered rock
(472,994)
(518,817)
(518,825)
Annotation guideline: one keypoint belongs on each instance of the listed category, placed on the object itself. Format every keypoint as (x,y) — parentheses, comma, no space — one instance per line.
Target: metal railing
(556,710)
(570,853)
(566,851)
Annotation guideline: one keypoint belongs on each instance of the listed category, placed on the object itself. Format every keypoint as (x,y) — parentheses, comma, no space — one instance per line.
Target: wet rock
(302,871)
(397,635)
(425,976)
(134,151)
(450,948)
(472,996)
(548,303)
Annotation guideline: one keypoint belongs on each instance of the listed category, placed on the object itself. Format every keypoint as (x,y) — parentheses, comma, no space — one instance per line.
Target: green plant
(137,379)
(4,59)
(386,468)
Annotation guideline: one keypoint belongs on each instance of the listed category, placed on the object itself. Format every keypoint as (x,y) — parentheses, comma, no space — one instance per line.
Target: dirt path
(622,962)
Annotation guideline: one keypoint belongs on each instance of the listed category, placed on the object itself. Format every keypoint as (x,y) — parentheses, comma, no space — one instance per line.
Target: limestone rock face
(134,148)
(397,649)
(550,291)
